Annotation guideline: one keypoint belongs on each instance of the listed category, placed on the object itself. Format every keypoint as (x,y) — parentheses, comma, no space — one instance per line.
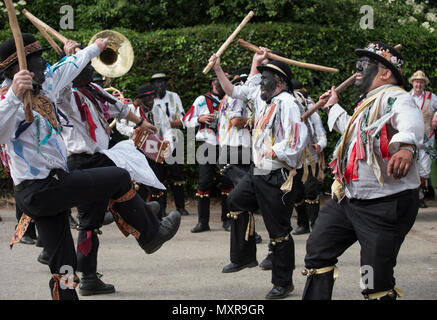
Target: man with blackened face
(375,197)
(171,104)
(279,138)
(367,69)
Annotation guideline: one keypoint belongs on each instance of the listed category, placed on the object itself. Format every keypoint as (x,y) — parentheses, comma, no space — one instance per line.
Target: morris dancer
(376,179)
(171,105)
(203,113)
(144,108)
(87,107)
(44,188)
(278,143)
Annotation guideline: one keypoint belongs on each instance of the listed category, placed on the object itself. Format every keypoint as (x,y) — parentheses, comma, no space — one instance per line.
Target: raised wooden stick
(273,56)
(228,41)
(22,61)
(40,25)
(348,82)
(46,36)
(345,84)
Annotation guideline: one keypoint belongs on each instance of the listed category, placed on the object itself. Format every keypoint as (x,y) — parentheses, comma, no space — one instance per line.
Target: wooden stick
(345,84)
(46,36)
(273,56)
(228,41)
(22,61)
(40,25)
(349,81)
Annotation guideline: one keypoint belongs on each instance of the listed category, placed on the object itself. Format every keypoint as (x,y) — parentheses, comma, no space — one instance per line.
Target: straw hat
(419,75)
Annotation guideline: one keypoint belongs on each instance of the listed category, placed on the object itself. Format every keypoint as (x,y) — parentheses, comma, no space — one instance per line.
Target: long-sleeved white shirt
(229,135)
(278,126)
(198,109)
(404,125)
(77,138)
(31,159)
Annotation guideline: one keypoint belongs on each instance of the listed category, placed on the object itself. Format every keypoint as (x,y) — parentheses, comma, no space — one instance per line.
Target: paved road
(189,266)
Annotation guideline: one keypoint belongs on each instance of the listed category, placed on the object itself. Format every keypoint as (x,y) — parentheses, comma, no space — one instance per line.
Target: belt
(27,183)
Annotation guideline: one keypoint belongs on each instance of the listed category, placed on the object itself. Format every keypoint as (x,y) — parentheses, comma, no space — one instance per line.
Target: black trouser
(48,201)
(379,225)
(307,204)
(263,192)
(206,178)
(91,215)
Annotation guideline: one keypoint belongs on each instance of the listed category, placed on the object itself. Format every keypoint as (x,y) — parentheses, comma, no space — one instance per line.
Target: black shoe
(266,264)
(167,229)
(234,267)
(422,204)
(43,257)
(154,206)
(183,212)
(108,219)
(227,225)
(279,292)
(73,223)
(91,284)
(27,240)
(301,230)
(200,228)
(258,238)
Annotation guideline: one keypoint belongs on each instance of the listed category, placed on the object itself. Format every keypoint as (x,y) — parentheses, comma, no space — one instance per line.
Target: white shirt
(228,134)
(171,105)
(77,138)
(419,100)
(404,126)
(283,131)
(198,109)
(30,160)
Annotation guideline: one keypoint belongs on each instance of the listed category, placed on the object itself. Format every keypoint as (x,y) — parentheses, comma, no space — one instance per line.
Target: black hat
(240,75)
(159,75)
(280,68)
(297,84)
(8,52)
(145,90)
(387,55)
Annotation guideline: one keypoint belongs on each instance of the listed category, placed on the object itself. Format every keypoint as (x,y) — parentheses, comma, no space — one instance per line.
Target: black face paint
(219,90)
(367,69)
(268,85)
(160,86)
(85,77)
(148,102)
(37,65)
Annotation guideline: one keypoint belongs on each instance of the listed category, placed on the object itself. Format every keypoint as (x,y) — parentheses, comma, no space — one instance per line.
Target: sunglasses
(363,64)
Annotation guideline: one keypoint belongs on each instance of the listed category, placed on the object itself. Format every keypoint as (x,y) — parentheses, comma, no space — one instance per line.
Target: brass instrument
(117,59)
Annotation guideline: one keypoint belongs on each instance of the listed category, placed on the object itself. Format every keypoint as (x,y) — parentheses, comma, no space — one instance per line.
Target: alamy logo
(67,21)
(366,21)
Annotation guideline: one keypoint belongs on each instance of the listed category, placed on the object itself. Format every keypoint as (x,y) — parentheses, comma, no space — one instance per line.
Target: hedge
(183,53)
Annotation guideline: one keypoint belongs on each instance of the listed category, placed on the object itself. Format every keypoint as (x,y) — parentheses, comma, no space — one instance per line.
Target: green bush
(183,53)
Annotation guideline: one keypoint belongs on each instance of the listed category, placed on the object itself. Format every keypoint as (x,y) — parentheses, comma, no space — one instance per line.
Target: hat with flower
(387,55)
